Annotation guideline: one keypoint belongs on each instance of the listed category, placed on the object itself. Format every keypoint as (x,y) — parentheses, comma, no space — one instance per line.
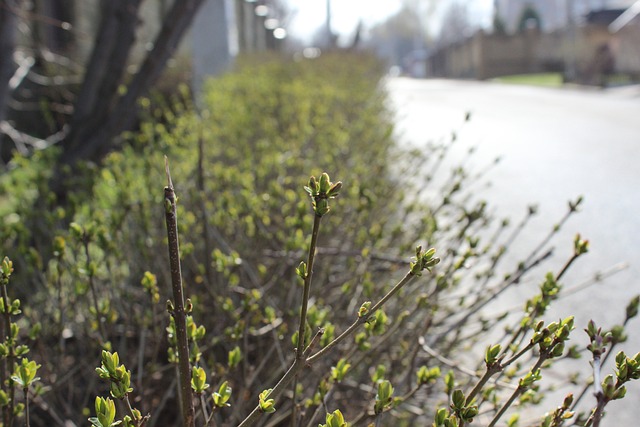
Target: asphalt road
(555,144)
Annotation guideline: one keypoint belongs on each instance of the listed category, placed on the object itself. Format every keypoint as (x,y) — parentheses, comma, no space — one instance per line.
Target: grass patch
(540,79)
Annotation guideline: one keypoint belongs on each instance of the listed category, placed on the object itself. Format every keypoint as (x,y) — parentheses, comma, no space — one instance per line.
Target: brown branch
(178,310)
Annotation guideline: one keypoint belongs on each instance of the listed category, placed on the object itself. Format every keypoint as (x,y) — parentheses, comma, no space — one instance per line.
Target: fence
(585,50)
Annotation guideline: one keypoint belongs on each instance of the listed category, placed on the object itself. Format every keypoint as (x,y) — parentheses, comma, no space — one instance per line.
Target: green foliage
(240,165)
(266,405)
(339,371)
(222,396)
(105,413)
(235,356)
(199,380)
(334,419)
(426,375)
(384,397)
(321,191)
(25,373)
(118,376)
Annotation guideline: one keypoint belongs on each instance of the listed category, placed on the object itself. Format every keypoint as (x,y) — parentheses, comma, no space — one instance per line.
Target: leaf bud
(364,309)
(325,183)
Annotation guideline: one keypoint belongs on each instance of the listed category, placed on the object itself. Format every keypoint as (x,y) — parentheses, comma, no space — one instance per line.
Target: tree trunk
(106,67)
(93,132)
(51,31)
(7,47)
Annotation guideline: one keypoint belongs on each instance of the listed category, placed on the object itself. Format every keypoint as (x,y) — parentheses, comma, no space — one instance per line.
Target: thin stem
(552,233)
(204,216)
(479,304)
(519,354)
(138,421)
(410,393)
(457,366)
(597,391)
(322,406)
(203,408)
(26,407)
(94,294)
(7,363)
(307,285)
(60,304)
(178,312)
(566,266)
(294,406)
(287,378)
(279,388)
(609,352)
(304,307)
(506,406)
(299,364)
(491,370)
(361,320)
(518,391)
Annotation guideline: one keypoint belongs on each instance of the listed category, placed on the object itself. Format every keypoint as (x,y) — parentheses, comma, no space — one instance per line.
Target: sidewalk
(624,91)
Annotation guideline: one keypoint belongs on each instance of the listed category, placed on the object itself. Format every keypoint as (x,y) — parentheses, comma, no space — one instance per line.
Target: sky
(308,15)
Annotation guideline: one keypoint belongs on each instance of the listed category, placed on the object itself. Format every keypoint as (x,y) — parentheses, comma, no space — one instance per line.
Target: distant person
(603,64)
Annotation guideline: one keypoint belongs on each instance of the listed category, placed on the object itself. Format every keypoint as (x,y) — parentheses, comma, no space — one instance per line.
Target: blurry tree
(257,22)
(498,24)
(103,103)
(455,24)
(403,32)
(7,45)
(530,18)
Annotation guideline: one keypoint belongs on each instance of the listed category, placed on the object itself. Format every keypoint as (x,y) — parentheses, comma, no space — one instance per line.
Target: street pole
(570,45)
(328,25)
(213,47)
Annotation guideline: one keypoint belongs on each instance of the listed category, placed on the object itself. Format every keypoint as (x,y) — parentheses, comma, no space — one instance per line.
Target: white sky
(308,15)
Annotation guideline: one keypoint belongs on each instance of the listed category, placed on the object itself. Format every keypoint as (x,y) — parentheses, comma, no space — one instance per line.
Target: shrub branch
(177,309)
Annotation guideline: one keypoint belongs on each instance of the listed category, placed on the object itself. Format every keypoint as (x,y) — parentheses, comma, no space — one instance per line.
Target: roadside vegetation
(285,264)
(539,79)
(556,80)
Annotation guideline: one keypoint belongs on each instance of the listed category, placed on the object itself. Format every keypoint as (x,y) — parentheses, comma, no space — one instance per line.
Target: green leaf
(441,415)
(106,413)
(301,271)
(458,400)
(335,419)
(364,309)
(449,381)
(325,183)
(199,380)
(384,396)
(7,269)
(222,396)
(491,355)
(266,405)
(25,373)
(234,357)
(379,373)
(339,371)
(4,399)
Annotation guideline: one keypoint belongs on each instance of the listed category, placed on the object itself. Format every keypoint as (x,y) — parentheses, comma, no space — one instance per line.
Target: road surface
(555,145)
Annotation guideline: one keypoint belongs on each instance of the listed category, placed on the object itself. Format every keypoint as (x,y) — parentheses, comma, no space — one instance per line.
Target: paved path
(555,144)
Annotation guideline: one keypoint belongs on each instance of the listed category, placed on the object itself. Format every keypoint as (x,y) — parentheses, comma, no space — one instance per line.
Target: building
(588,51)
(550,15)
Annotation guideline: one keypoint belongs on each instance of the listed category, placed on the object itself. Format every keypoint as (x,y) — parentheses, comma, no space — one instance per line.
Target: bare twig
(178,310)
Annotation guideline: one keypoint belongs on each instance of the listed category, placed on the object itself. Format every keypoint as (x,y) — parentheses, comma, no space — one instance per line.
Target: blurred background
(549,85)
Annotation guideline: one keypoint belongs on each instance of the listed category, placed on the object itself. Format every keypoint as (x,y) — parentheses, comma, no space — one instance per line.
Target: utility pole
(570,44)
(329,31)
(214,40)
